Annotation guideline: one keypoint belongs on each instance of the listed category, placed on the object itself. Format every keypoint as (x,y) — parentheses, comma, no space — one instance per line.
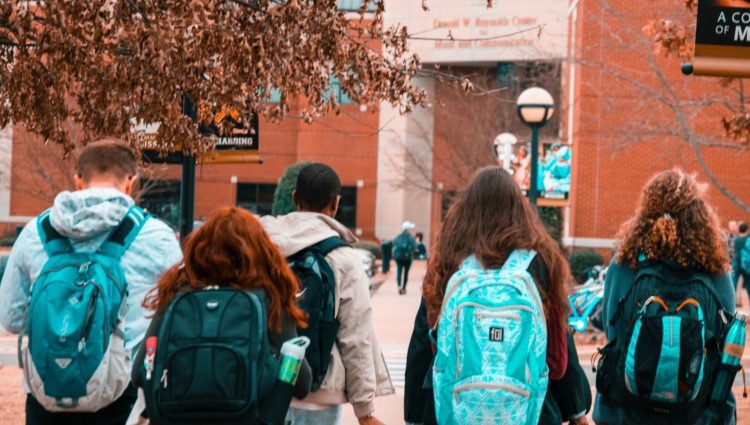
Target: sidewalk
(393,315)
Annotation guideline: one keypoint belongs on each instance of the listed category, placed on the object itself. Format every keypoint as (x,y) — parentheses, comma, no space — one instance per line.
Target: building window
(355,5)
(256,197)
(347,213)
(161,198)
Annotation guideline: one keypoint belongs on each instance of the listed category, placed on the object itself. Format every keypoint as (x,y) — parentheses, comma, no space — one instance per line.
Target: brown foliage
(106,64)
(674,38)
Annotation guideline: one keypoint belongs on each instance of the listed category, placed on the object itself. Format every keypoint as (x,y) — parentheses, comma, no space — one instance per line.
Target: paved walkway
(393,315)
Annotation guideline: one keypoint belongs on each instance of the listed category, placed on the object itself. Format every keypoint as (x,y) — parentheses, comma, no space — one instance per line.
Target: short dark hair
(317,186)
(742,227)
(108,156)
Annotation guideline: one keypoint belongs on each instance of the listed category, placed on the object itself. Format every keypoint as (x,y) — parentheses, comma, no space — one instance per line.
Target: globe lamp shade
(535,106)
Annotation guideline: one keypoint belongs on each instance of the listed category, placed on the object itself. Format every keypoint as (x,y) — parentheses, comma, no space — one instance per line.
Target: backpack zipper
(490,386)
(164,378)
(90,310)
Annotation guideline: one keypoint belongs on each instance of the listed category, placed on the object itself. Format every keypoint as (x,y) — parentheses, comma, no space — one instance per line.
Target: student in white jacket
(357,372)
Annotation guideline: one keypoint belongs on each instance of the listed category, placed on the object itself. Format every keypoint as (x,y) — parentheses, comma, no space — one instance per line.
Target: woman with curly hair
(673,243)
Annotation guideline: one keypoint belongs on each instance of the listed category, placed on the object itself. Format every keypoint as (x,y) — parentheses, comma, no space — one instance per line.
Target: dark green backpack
(667,350)
(403,247)
(213,361)
(318,299)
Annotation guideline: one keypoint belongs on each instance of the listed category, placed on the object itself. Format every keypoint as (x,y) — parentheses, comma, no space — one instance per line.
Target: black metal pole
(533,191)
(187,196)
(187,184)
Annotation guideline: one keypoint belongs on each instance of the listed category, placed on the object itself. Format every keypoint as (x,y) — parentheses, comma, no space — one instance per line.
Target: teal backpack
(745,257)
(72,348)
(403,247)
(491,366)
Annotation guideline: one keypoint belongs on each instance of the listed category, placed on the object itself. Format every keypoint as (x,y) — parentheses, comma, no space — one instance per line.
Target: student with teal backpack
(495,297)
(668,304)
(73,289)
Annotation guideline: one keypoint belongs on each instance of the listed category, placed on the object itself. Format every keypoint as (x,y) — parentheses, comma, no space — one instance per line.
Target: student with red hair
(231,250)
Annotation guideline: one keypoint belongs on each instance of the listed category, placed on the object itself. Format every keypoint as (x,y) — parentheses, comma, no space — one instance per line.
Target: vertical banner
(722,38)
(553,181)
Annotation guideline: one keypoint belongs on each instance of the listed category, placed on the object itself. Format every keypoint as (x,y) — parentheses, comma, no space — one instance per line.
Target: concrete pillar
(6,153)
(405,168)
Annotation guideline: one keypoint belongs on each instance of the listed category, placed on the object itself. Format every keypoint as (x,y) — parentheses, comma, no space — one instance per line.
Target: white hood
(298,230)
(86,214)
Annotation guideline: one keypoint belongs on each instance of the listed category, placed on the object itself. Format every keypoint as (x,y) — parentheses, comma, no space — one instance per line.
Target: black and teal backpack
(667,350)
(317,298)
(213,363)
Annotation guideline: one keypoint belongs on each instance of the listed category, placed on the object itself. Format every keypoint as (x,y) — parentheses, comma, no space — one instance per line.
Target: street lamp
(506,140)
(535,107)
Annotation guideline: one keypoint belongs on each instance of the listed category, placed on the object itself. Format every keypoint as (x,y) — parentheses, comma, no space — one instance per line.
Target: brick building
(634,114)
(347,142)
(625,112)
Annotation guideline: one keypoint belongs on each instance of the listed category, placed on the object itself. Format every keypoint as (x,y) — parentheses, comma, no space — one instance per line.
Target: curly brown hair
(490,219)
(674,222)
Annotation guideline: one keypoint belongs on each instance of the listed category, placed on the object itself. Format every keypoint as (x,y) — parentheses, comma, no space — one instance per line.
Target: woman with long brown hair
(670,254)
(232,250)
(491,220)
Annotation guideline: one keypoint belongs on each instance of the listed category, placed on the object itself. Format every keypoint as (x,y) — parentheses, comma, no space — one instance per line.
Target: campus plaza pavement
(393,316)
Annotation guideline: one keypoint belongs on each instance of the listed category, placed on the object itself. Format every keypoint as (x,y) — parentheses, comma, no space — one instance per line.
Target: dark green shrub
(7,241)
(282,197)
(371,246)
(581,261)
(553,221)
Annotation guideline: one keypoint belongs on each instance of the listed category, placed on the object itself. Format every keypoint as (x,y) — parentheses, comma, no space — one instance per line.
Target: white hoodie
(357,372)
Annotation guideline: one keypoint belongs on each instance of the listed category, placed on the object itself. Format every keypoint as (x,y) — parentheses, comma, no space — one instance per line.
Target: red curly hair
(674,222)
(232,249)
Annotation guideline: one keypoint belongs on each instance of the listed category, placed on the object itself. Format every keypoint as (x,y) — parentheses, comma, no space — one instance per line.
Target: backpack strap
(125,233)
(518,260)
(325,246)
(54,243)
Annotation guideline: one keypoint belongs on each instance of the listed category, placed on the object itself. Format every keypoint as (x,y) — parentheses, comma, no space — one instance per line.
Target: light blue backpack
(490,366)
(72,349)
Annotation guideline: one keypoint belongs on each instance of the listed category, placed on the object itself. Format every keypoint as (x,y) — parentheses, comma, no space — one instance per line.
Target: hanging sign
(722,38)
(240,146)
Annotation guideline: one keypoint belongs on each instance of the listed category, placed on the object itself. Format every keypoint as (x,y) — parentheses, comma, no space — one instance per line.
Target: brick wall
(629,126)
(347,142)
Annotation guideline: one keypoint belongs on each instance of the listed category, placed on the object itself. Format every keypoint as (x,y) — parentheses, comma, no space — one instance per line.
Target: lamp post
(506,140)
(535,107)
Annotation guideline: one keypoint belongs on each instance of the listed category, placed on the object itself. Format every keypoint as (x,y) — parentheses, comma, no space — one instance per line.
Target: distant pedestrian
(495,293)
(421,248)
(404,246)
(741,257)
(74,285)
(204,334)
(354,369)
(667,299)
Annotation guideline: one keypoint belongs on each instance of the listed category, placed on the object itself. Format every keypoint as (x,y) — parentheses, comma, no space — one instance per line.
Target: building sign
(553,182)
(240,146)
(722,38)
(465,31)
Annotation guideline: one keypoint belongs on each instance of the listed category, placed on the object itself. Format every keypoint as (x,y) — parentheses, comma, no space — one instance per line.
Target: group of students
(113,314)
